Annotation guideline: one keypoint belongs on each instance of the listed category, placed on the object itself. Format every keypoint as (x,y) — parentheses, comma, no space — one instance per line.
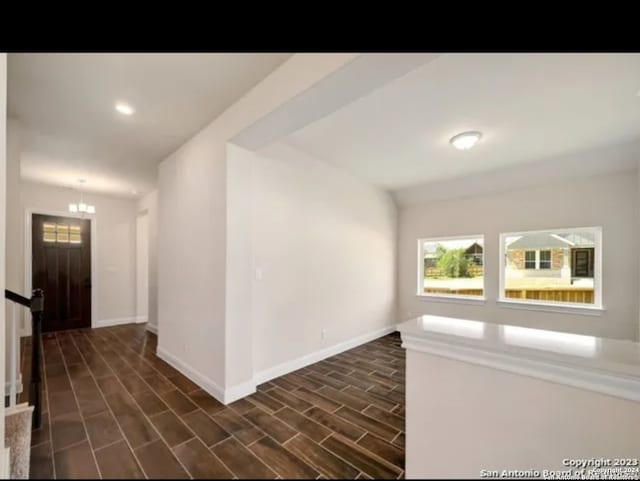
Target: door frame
(28,271)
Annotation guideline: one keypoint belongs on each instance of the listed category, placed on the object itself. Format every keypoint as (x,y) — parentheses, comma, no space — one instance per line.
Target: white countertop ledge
(607,366)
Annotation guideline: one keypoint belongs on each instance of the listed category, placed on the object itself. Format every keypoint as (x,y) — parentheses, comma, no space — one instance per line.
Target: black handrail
(36,306)
(12,296)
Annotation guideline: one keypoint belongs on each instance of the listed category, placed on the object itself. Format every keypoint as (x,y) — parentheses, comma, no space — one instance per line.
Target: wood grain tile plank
(205,428)
(367,423)
(383,449)
(289,399)
(335,423)
(177,401)
(200,462)
(305,425)
(266,402)
(75,462)
(345,398)
(243,463)
(358,457)
(270,425)
(320,458)
(235,424)
(281,460)
(385,417)
(159,462)
(171,428)
(117,462)
(371,398)
(317,399)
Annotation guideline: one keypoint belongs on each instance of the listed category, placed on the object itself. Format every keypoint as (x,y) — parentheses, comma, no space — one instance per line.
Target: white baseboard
(115,322)
(102,323)
(5,469)
(300,362)
(153,329)
(200,379)
(241,390)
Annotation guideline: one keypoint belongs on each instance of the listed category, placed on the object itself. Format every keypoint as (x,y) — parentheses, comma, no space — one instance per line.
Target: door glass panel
(49,232)
(63,233)
(75,236)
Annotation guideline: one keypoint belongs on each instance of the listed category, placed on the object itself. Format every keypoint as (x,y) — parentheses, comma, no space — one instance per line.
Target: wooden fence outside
(474,271)
(578,295)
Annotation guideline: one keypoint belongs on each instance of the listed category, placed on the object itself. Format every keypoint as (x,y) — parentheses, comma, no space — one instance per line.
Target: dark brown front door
(61,266)
(582,262)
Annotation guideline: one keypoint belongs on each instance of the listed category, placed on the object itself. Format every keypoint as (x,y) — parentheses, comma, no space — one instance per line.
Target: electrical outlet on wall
(323,334)
(258,273)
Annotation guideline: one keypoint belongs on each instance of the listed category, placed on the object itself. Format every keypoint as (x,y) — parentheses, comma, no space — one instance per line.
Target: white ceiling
(528,106)
(65,104)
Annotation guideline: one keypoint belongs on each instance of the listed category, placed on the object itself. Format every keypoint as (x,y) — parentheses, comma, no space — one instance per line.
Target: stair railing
(36,305)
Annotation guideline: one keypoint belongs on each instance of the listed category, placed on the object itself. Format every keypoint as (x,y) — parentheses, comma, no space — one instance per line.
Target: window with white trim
(560,267)
(544,259)
(530,259)
(451,267)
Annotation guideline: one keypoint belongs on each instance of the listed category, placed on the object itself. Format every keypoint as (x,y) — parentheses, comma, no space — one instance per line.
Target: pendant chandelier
(81,207)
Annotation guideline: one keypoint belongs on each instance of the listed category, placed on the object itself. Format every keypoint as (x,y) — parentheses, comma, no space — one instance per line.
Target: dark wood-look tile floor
(113,409)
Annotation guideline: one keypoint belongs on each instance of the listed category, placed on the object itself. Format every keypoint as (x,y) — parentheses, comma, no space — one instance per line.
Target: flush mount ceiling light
(81,207)
(465,140)
(124,108)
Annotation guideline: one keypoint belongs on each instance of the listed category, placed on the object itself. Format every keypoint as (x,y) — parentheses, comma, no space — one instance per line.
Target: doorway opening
(142,267)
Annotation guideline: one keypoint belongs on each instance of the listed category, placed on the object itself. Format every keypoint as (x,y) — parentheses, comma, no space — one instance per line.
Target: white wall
(13,263)
(610,201)
(192,208)
(4,469)
(191,259)
(239,269)
(325,244)
(637,232)
(116,246)
(142,267)
(464,418)
(149,206)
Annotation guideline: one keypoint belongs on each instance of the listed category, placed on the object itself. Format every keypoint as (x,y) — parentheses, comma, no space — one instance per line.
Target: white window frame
(536,260)
(595,309)
(539,259)
(449,297)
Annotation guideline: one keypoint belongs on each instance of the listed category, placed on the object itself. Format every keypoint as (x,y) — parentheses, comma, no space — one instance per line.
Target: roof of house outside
(429,248)
(586,239)
(474,248)
(549,241)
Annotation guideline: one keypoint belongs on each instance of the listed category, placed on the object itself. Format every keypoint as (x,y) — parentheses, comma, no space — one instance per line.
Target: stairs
(17,435)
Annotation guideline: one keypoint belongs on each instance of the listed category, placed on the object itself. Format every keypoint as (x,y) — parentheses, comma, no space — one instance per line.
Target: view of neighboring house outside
(550,266)
(453,267)
(553,266)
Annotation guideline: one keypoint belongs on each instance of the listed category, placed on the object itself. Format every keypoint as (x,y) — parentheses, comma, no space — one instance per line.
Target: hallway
(113,409)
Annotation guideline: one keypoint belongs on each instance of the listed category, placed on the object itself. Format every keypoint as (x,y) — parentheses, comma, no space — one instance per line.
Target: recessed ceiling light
(465,140)
(124,109)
